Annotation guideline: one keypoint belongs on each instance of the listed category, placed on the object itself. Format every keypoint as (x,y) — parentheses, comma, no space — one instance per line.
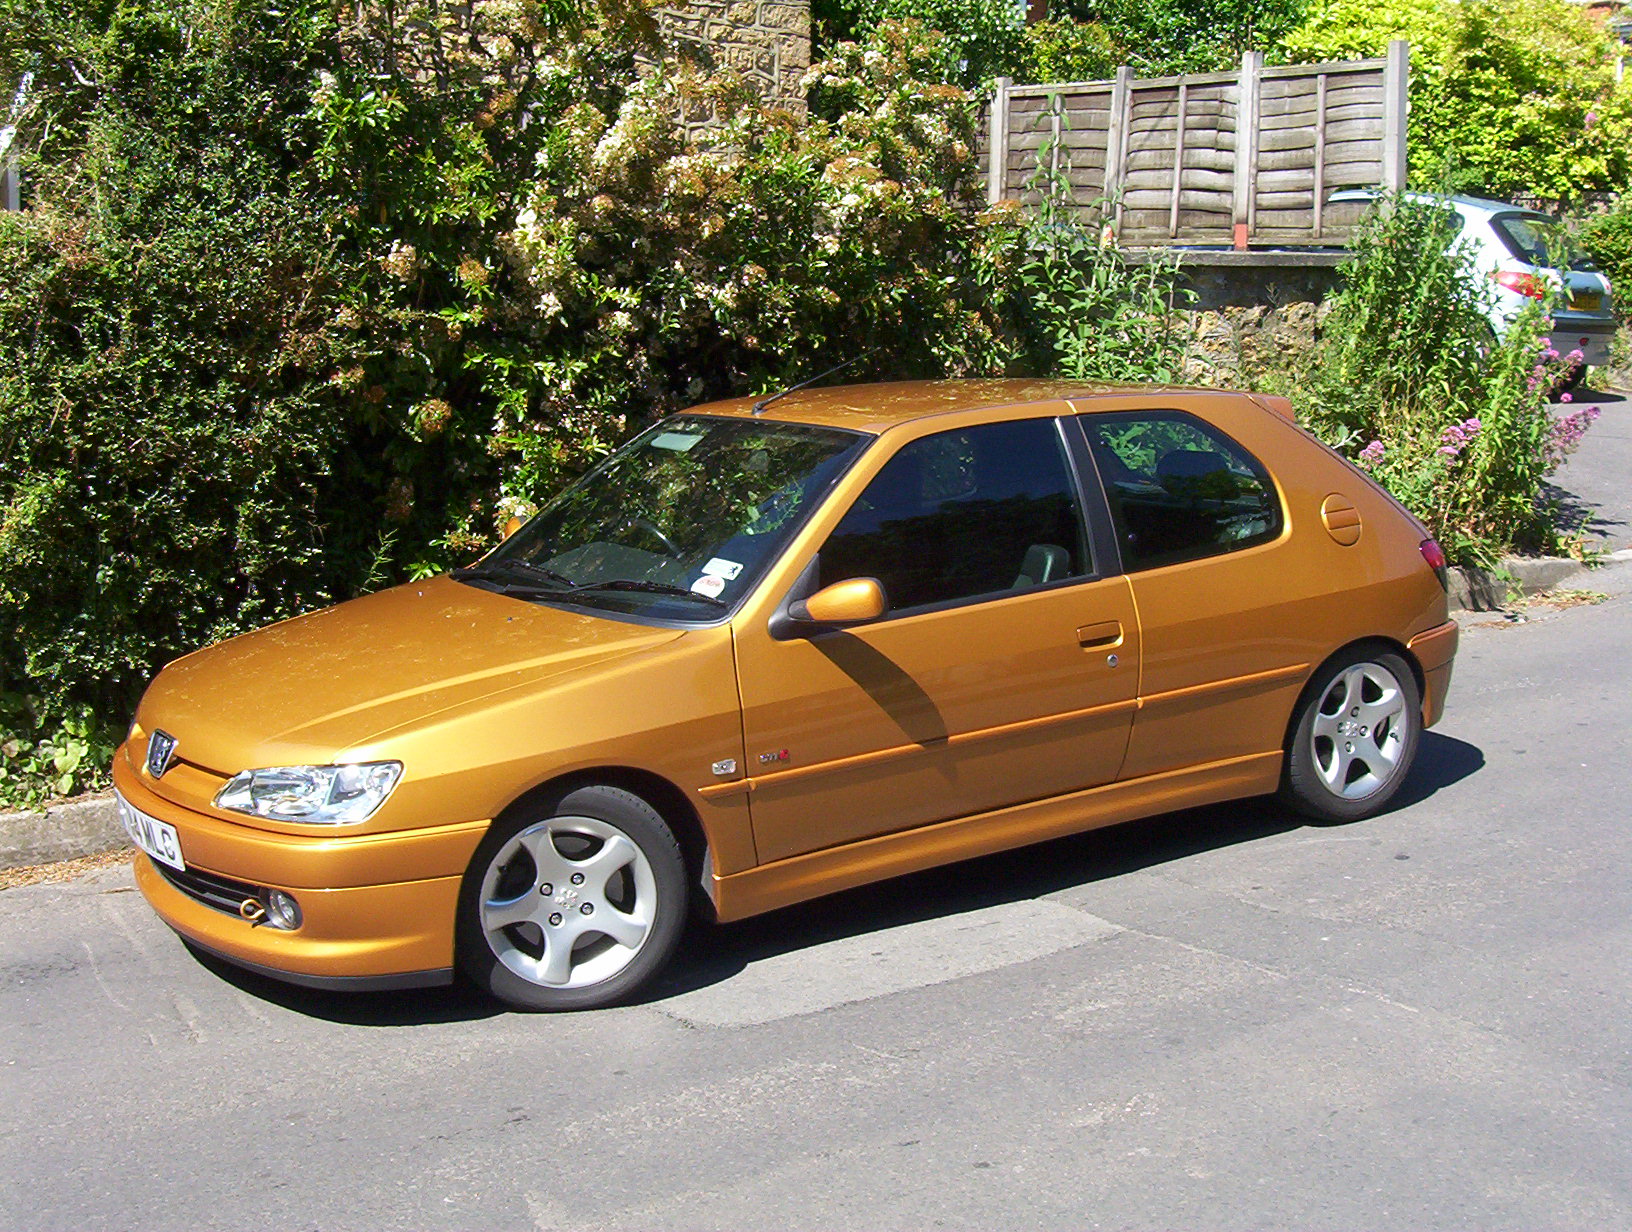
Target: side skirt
(815,873)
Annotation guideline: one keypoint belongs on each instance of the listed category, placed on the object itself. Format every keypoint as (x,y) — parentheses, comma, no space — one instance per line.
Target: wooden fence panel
(1241,158)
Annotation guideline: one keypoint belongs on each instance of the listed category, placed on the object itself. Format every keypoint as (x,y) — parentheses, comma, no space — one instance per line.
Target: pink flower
(1592,118)
(1371,454)
(1566,396)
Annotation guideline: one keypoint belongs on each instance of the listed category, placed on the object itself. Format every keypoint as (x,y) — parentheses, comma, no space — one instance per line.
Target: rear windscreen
(1540,241)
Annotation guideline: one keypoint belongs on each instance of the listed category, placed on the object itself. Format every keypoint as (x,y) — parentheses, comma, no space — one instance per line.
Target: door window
(979,512)
(1178,489)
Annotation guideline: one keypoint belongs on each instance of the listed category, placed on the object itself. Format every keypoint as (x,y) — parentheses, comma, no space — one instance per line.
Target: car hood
(308,689)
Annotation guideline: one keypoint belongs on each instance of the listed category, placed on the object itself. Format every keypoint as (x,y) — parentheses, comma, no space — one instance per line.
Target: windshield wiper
(496,573)
(654,588)
(493,575)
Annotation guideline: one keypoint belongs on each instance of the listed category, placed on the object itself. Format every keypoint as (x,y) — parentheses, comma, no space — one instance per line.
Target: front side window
(982,511)
(679,523)
(1178,489)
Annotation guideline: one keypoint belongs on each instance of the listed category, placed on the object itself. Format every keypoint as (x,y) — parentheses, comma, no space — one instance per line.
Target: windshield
(679,523)
(1540,241)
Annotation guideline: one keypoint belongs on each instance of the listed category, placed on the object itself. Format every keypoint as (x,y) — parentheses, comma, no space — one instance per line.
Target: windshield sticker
(710,585)
(726,569)
(677,441)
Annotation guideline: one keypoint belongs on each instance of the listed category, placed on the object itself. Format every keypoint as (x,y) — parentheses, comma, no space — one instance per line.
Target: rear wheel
(573,905)
(1355,737)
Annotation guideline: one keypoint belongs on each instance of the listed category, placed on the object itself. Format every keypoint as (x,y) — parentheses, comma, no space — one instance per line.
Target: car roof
(1479,205)
(874,408)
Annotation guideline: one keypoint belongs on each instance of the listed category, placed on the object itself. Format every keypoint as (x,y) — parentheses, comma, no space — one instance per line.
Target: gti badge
(767,759)
(161,747)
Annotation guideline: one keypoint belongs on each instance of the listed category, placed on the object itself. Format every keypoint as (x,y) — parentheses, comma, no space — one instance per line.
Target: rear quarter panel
(1231,641)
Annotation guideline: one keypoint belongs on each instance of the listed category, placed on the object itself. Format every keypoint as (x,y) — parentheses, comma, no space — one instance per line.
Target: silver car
(1516,254)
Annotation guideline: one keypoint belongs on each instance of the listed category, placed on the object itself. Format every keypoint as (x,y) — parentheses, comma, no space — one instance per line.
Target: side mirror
(512,526)
(853,601)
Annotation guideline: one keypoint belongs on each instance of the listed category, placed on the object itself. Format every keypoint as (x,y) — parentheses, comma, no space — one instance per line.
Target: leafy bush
(170,449)
(1410,382)
(46,753)
(1071,51)
(979,40)
(1159,37)
(1079,305)
(1607,236)
(1507,96)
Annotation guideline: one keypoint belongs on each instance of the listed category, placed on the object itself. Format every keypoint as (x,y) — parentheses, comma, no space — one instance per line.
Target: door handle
(1098,636)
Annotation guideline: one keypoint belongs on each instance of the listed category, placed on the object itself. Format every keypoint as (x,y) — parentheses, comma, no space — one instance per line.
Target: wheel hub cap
(568,902)
(1358,735)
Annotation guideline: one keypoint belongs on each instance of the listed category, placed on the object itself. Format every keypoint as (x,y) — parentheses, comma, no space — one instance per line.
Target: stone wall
(766,41)
(1253,313)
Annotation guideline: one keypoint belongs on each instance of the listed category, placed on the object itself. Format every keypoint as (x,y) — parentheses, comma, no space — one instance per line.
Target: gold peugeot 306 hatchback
(770,651)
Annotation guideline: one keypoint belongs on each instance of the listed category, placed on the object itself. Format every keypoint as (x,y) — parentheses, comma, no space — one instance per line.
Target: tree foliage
(1160,37)
(1507,96)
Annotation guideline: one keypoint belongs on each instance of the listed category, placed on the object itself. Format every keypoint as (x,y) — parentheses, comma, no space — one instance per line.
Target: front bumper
(377,910)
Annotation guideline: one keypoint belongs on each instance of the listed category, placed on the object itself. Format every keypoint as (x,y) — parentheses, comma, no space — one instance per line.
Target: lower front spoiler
(332,983)
(353,937)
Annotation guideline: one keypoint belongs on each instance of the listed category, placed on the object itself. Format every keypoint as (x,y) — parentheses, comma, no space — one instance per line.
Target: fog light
(282,911)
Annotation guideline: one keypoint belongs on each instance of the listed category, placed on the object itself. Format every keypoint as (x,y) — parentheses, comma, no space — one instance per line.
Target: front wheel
(1354,737)
(574,905)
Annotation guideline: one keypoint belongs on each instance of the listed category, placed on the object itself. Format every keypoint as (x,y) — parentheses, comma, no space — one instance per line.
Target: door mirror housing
(854,601)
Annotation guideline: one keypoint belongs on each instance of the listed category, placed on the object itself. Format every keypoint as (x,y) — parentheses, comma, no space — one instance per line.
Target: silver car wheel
(568,902)
(1358,735)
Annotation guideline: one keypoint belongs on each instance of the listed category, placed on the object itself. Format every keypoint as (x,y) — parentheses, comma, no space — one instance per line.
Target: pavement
(1592,487)
(1221,1018)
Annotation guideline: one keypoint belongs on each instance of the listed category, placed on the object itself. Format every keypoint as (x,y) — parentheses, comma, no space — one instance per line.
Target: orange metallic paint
(849,602)
(911,740)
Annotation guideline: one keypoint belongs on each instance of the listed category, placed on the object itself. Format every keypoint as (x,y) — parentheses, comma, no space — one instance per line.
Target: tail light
(1527,285)
(1435,556)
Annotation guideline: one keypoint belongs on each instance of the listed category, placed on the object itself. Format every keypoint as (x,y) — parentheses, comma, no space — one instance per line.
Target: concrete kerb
(91,826)
(85,827)
(1485,590)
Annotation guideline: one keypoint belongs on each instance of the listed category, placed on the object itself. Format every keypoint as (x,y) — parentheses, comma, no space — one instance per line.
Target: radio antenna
(759,407)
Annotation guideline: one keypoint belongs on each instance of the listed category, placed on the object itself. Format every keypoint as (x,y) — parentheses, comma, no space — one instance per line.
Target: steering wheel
(645,524)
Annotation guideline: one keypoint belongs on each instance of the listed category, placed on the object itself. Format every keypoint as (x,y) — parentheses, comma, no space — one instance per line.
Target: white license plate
(159,839)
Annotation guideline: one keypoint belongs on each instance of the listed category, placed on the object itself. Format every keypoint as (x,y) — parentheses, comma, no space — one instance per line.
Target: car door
(1004,669)
(1230,623)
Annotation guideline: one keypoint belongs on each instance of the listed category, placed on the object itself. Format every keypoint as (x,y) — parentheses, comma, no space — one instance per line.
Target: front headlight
(315,795)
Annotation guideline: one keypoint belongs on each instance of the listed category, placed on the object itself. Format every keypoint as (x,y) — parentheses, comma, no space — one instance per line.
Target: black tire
(515,942)
(1344,759)
(1568,383)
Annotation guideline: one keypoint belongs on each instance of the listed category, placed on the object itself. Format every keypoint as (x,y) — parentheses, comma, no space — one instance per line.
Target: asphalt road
(1222,1018)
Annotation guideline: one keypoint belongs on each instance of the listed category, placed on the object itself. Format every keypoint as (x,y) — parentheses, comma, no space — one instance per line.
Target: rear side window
(1179,489)
(979,512)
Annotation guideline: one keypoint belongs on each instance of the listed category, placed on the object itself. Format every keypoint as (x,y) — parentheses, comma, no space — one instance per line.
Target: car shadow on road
(711,954)
(457,1002)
